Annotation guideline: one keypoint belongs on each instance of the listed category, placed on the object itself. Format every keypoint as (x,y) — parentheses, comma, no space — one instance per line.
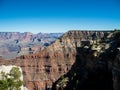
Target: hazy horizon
(56,32)
(58,15)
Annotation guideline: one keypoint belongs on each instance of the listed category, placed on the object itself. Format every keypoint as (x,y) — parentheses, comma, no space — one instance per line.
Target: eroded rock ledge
(42,69)
(96,66)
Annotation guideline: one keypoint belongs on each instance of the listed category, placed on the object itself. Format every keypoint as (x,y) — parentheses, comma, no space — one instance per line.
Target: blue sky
(58,15)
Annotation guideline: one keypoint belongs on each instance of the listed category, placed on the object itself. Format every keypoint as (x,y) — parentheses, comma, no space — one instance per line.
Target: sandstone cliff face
(43,68)
(65,46)
(95,68)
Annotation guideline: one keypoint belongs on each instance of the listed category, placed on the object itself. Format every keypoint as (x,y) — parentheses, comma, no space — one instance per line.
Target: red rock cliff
(43,68)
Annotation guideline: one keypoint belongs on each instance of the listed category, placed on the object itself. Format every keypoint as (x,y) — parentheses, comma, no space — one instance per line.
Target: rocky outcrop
(43,68)
(65,46)
(73,55)
(95,68)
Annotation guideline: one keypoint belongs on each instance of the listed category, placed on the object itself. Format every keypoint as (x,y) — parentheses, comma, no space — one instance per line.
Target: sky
(58,15)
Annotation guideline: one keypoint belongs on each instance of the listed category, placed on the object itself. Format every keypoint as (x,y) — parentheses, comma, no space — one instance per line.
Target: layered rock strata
(43,68)
(96,66)
(14,44)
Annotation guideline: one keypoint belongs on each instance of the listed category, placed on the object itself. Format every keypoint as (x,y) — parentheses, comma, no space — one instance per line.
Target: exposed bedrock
(73,54)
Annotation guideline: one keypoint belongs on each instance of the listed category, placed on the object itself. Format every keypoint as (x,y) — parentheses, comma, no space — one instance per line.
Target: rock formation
(14,44)
(42,69)
(96,66)
(76,60)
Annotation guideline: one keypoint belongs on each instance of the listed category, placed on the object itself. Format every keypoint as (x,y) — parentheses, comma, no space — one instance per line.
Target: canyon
(96,66)
(15,44)
(75,61)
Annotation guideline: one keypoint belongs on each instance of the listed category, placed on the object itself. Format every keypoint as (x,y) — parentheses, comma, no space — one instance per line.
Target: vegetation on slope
(11,80)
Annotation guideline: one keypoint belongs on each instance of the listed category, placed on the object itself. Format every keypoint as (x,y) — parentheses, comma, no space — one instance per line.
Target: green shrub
(11,81)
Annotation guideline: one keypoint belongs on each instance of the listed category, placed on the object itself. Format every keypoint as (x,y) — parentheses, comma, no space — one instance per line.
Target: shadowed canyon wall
(95,68)
(72,52)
